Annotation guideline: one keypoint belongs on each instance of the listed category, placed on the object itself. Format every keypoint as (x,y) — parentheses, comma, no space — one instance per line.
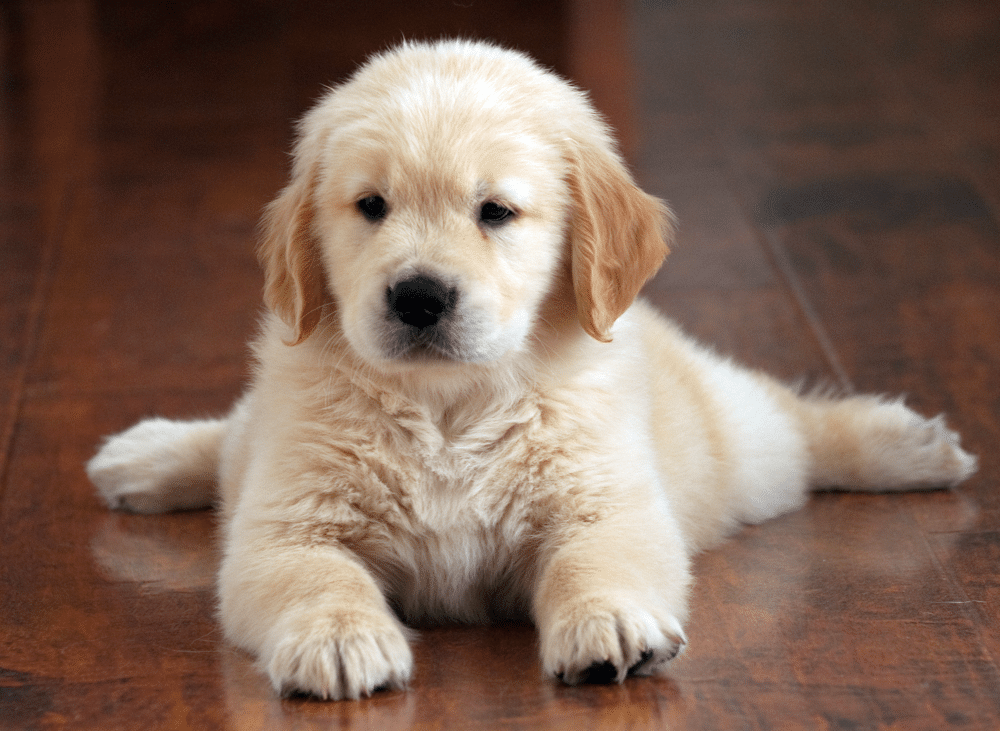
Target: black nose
(421,301)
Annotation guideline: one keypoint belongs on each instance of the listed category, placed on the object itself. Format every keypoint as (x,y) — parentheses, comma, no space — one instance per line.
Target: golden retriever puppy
(460,412)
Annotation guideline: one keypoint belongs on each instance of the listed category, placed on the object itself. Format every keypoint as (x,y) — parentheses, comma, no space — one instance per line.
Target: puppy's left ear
(619,236)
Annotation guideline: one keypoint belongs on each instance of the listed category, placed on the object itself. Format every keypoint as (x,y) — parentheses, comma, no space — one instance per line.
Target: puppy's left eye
(494,213)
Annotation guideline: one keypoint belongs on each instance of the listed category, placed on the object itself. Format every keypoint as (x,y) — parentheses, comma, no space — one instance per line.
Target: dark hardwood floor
(836,170)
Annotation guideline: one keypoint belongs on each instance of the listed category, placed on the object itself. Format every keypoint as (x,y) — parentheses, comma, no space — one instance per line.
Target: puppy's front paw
(336,655)
(599,640)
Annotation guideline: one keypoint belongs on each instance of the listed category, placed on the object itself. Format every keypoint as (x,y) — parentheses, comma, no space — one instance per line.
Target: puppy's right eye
(373,207)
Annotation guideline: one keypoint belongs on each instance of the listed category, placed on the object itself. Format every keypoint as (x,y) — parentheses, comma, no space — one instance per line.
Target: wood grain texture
(836,171)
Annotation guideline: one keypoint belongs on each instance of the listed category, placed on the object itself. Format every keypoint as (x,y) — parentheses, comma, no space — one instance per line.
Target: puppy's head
(440,196)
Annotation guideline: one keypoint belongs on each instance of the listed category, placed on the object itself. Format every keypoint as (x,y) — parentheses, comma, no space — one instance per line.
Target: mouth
(406,344)
(419,352)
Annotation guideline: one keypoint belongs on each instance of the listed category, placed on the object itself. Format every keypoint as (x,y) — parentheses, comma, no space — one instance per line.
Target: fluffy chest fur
(444,500)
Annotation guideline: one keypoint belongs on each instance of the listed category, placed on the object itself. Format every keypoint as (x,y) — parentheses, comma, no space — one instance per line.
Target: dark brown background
(835,169)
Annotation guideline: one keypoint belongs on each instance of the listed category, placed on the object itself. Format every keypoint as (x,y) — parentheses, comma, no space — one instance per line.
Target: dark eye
(494,213)
(373,207)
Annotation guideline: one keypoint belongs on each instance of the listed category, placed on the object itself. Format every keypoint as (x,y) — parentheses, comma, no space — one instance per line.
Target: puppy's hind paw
(922,453)
(159,465)
(954,462)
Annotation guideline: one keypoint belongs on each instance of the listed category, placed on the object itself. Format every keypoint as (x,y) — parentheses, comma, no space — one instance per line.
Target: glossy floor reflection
(836,171)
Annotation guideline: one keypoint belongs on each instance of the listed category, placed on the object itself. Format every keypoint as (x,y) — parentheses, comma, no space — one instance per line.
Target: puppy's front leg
(611,598)
(313,615)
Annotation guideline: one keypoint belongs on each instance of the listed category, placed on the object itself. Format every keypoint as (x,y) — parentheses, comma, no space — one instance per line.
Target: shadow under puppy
(458,409)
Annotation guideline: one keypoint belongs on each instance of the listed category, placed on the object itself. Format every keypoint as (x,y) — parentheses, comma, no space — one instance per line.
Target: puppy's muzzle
(426,318)
(421,301)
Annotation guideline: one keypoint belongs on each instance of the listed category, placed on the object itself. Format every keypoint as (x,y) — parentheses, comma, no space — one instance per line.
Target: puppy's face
(440,196)
(440,238)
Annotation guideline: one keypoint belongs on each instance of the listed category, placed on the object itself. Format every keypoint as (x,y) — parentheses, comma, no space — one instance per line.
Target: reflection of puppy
(459,412)
(154,557)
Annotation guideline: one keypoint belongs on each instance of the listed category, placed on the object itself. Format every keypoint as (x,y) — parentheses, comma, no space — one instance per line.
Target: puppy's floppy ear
(618,236)
(289,254)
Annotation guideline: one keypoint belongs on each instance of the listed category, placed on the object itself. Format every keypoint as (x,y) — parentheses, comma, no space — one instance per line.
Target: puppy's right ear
(289,254)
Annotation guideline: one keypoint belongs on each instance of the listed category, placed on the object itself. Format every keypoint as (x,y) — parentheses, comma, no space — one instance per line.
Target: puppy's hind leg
(160,465)
(871,443)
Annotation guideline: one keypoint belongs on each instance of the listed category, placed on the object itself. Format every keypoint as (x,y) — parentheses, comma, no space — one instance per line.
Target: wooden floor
(836,169)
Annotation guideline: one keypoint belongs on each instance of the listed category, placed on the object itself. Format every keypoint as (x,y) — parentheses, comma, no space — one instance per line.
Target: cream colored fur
(561,453)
